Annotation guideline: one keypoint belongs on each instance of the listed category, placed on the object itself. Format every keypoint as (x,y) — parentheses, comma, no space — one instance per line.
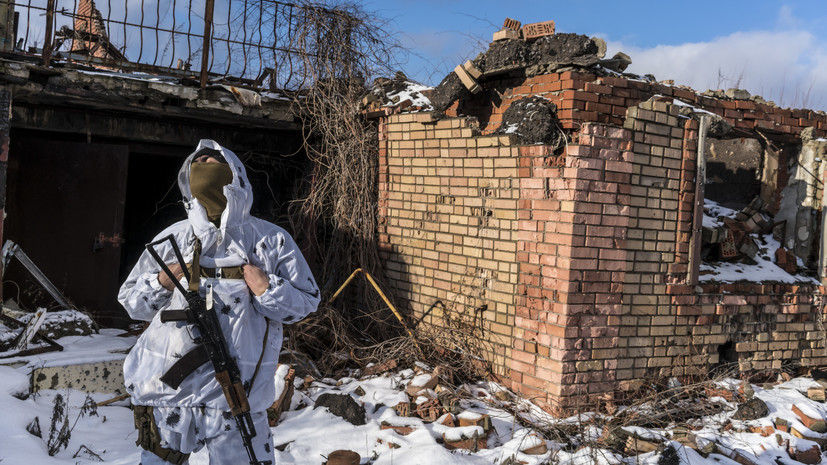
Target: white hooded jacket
(240,239)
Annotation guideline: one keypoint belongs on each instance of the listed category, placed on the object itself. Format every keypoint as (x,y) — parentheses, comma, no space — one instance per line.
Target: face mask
(207,181)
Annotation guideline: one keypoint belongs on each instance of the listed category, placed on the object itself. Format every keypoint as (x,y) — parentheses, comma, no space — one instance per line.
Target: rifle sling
(185,366)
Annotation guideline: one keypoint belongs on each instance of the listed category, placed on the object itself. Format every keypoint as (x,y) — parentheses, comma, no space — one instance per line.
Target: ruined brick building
(585,260)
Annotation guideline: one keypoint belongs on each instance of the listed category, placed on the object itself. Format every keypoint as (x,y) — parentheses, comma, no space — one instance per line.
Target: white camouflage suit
(195,415)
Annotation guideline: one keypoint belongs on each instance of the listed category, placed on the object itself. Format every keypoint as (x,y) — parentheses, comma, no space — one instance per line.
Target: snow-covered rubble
(489,424)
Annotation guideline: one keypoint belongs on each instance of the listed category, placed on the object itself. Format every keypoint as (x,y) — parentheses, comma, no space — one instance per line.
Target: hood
(239,197)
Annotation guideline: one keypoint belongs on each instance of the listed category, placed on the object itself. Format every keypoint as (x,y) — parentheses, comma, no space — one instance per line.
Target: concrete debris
(344,406)
(737,94)
(397,93)
(752,409)
(619,62)
(546,52)
(533,120)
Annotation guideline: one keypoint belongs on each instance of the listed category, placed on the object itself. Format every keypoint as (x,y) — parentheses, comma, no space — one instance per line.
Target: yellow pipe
(382,295)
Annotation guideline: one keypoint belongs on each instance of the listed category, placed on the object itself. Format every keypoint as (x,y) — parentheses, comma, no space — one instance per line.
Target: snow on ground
(306,435)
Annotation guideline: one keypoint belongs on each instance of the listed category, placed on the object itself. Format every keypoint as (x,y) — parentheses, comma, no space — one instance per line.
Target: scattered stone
(601,47)
(737,94)
(34,428)
(618,63)
(344,406)
(752,409)
(669,457)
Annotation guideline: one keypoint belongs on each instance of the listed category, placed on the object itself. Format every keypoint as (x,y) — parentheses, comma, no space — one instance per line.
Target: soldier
(257,278)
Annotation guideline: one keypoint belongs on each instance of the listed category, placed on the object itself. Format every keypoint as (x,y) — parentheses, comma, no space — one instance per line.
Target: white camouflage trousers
(210,435)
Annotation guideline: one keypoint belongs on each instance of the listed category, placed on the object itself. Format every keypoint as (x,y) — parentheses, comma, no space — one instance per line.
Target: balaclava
(207,181)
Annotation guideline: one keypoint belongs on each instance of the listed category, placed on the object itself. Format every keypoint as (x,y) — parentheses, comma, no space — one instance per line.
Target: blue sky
(775,49)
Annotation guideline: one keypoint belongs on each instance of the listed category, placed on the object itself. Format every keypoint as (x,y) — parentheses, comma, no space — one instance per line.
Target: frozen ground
(306,435)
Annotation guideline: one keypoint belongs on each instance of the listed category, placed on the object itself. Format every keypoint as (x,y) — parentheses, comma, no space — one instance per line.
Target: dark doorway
(153,201)
(65,209)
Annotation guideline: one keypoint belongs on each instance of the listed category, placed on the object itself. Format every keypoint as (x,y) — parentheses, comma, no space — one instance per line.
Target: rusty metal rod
(205,50)
(382,295)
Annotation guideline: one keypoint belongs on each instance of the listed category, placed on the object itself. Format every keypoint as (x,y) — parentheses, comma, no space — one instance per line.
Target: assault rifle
(211,345)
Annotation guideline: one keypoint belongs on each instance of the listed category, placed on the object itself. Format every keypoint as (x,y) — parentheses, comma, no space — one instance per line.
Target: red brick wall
(579,262)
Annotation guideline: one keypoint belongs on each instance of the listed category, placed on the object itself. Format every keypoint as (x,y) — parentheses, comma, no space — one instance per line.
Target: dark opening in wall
(726,353)
(733,171)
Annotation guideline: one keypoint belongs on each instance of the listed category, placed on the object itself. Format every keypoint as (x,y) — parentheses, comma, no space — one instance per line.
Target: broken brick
(379,368)
(817,394)
(475,419)
(419,383)
(810,455)
(429,410)
(536,30)
(505,34)
(447,420)
(636,446)
(741,458)
(467,80)
(786,260)
(717,392)
(810,420)
(512,24)
(472,444)
(765,431)
(402,430)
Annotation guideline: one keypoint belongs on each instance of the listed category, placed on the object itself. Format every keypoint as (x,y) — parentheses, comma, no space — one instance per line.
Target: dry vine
(345,47)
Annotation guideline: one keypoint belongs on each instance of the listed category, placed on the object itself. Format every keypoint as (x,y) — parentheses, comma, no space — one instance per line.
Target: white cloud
(788,67)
